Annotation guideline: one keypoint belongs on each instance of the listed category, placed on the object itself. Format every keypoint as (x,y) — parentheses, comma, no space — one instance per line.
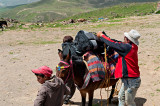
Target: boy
(66,46)
(52,90)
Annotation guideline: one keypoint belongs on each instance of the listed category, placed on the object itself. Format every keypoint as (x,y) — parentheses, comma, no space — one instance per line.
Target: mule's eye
(63,70)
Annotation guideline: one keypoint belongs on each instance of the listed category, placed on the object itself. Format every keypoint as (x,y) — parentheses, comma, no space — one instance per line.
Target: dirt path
(23,50)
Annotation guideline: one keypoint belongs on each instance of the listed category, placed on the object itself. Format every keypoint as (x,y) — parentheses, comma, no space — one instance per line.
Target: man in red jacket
(127,66)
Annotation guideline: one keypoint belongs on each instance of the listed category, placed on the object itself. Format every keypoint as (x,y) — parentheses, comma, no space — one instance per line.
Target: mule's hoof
(114,100)
(68,102)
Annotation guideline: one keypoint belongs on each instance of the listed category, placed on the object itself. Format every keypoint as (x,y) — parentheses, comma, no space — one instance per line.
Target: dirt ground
(23,50)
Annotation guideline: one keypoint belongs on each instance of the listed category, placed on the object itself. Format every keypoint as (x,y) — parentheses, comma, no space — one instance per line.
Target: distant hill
(117,11)
(52,10)
(5,3)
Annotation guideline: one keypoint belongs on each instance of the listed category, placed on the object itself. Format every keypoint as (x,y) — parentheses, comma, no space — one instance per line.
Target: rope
(116,88)
(106,81)
(107,78)
(86,64)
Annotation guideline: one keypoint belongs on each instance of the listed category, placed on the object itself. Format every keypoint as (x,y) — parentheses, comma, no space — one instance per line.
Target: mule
(78,71)
(3,24)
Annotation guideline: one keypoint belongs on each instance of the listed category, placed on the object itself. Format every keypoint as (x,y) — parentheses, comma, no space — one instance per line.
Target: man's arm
(41,96)
(119,47)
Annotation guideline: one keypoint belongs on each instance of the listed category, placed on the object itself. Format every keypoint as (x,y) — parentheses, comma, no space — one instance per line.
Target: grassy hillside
(46,10)
(119,11)
(52,10)
(113,14)
(3,9)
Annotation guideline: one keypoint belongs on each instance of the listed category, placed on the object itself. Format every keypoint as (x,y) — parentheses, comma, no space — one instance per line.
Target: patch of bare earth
(23,50)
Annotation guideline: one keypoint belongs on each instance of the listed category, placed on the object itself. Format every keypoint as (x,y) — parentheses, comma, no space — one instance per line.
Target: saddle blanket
(96,67)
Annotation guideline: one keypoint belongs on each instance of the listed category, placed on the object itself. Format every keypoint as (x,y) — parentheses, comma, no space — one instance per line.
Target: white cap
(133,36)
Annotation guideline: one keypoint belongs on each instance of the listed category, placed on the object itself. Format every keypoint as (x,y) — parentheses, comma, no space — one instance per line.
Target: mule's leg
(3,28)
(83,95)
(112,92)
(90,93)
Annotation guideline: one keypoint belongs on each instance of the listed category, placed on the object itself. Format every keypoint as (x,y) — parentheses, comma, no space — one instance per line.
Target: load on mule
(78,71)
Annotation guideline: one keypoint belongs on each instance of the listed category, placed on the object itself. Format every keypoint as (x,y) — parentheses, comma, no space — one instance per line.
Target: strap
(64,62)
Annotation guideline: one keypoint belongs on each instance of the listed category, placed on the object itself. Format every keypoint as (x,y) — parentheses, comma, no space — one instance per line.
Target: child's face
(41,80)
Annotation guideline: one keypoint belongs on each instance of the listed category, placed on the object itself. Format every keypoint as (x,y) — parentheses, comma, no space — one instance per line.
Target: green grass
(46,42)
(157,68)
(158,12)
(158,90)
(140,64)
(38,42)
(56,25)
(14,59)
(143,40)
(148,26)
(119,11)
(3,9)
(158,40)
(152,94)
(10,52)
(20,43)
(115,20)
(95,104)
(105,25)
(158,56)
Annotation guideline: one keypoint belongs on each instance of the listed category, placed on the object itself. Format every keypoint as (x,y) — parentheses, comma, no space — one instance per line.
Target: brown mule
(3,24)
(78,71)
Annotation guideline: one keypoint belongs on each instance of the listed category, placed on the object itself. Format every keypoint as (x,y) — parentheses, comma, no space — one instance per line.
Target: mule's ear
(60,53)
(68,56)
(59,50)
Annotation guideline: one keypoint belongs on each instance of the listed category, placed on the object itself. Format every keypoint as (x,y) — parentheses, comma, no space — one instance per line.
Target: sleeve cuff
(105,37)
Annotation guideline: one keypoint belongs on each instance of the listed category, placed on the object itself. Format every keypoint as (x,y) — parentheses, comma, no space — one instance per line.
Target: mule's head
(63,69)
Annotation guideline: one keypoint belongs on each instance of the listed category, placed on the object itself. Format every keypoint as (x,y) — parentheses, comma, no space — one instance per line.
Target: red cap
(43,70)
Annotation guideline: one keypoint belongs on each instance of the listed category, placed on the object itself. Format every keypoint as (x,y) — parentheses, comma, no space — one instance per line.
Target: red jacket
(127,65)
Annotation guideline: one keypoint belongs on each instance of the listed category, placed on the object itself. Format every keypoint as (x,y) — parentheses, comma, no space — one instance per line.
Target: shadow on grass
(98,102)
(75,103)
(140,101)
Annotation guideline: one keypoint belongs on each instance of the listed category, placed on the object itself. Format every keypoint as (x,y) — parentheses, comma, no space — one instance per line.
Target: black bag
(69,46)
(87,41)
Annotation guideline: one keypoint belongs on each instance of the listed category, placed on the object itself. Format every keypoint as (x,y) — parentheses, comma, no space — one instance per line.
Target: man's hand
(99,34)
